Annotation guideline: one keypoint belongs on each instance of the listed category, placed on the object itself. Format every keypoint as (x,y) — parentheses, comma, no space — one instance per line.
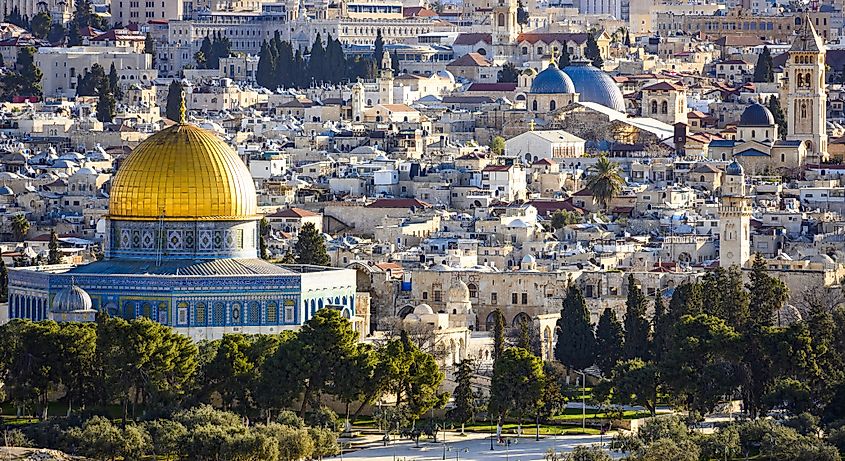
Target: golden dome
(183,173)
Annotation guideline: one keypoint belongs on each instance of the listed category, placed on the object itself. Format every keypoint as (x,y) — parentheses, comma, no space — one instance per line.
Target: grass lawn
(529,429)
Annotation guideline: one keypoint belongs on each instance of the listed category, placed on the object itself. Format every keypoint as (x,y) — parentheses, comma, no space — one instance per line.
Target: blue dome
(756,115)
(595,85)
(552,81)
(734,169)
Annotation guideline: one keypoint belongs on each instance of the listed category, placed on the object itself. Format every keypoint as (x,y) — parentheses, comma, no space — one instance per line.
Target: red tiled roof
(470,60)
(292,213)
(492,87)
(549,207)
(399,203)
(418,12)
(664,86)
(497,168)
(473,38)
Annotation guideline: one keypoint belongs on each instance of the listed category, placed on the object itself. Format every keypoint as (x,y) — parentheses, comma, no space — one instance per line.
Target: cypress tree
(592,51)
(53,256)
(686,300)
(310,247)
(173,110)
(105,102)
(662,325)
(563,61)
(266,67)
(609,341)
(767,294)
(627,38)
(498,333)
(287,69)
(777,113)
(576,344)
(636,324)
(4,282)
(204,54)
(114,83)
(764,69)
(378,49)
(464,397)
(317,61)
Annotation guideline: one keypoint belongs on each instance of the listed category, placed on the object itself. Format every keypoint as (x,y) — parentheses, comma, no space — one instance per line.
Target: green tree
(635,382)
(229,374)
(173,109)
(700,365)
(517,385)
(767,294)
(265,73)
(57,33)
(203,56)
(563,218)
(464,398)
(310,247)
(74,38)
(497,145)
(221,47)
(662,325)
(627,38)
(263,233)
(114,83)
(378,49)
(604,181)
(25,80)
(778,115)
(724,296)
(508,74)
(4,282)
(498,333)
(20,226)
(54,256)
(76,344)
(609,341)
(166,437)
(522,15)
(686,300)
(592,51)
(105,102)
(150,47)
(40,24)
(764,69)
(576,346)
(585,453)
(637,329)
(564,59)
(91,81)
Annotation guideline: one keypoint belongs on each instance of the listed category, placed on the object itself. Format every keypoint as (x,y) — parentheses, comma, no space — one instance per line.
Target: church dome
(756,115)
(458,292)
(183,173)
(71,299)
(423,309)
(594,85)
(734,169)
(552,81)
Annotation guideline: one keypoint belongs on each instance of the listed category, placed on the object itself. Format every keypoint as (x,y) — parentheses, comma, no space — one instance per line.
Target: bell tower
(806,99)
(505,30)
(734,219)
(385,80)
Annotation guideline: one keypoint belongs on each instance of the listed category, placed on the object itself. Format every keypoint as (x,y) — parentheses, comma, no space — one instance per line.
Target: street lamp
(491,432)
(583,399)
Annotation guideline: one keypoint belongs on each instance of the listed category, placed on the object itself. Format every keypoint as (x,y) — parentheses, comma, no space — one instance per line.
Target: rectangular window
(514,298)
(272,313)
(438,296)
(425,295)
(290,315)
(494,298)
(524,298)
(183,315)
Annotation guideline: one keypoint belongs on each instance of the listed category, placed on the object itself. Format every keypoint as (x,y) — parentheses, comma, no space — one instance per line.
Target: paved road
(473,447)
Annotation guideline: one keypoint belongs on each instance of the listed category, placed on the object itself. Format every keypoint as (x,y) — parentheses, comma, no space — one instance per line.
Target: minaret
(357,102)
(734,219)
(505,30)
(806,99)
(385,80)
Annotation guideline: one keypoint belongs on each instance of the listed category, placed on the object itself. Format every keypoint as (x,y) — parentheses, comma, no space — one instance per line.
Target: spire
(183,110)
(807,39)
(553,59)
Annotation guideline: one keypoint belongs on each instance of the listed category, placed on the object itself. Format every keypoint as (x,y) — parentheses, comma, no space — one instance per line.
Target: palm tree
(20,225)
(605,181)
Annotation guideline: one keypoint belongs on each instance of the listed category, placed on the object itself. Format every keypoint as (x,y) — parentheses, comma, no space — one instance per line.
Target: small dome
(822,258)
(595,85)
(440,268)
(5,190)
(529,259)
(458,292)
(423,309)
(552,81)
(756,115)
(71,299)
(734,169)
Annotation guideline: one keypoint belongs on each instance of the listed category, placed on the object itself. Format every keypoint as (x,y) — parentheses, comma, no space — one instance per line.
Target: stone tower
(806,100)
(385,80)
(734,219)
(357,102)
(505,30)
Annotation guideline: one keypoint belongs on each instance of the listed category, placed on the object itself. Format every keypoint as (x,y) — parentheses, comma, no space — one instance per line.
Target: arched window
(653,107)
(254,313)
(199,314)
(800,80)
(803,110)
(272,313)
(219,315)
(534,105)
(501,21)
(552,105)
(128,310)
(753,134)
(664,107)
(473,290)
(237,313)
(491,321)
